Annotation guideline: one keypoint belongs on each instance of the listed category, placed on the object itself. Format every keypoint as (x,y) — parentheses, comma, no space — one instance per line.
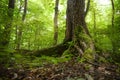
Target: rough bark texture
(75,24)
(75,21)
(69,21)
(78,17)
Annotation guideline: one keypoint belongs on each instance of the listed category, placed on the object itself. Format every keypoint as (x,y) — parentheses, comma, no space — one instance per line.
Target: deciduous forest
(60,40)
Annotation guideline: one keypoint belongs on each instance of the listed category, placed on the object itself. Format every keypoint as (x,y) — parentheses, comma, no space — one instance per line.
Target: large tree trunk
(5,37)
(69,22)
(76,18)
(75,27)
(75,24)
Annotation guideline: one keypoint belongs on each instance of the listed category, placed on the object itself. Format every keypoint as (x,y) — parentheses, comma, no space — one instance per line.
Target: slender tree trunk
(25,10)
(5,38)
(17,26)
(86,12)
(56,22)
(87,9)
(113,12)
(94,14)
(112,21)
(19,40)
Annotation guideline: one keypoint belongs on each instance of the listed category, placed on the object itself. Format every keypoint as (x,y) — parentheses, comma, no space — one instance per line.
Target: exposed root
(52,51)
(80,51)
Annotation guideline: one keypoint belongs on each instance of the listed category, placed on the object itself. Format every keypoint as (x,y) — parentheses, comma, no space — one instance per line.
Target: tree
(75,24)
(112,21)
(76,31)
(19,33)
(87,9)
(5,37)
(115,30)
(6,34)
(56,22)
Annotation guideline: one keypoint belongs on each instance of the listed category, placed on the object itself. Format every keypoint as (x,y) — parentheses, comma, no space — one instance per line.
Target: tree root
(52,51)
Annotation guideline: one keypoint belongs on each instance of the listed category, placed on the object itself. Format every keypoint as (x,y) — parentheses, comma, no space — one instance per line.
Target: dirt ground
(69,70)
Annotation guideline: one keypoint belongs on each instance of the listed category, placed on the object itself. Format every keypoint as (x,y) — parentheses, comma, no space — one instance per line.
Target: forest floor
(68,70)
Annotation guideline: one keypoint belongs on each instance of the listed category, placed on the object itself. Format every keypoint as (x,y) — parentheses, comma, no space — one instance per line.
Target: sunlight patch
(103,2)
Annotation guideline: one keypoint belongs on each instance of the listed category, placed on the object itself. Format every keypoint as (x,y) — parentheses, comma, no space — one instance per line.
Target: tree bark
(69,21)
(56,22)
(75,22)
(76,19)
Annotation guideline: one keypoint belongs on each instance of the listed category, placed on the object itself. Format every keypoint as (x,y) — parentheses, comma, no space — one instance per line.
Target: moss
(52,51)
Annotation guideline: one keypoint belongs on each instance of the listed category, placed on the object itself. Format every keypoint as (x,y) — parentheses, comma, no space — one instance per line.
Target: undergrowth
(22,61)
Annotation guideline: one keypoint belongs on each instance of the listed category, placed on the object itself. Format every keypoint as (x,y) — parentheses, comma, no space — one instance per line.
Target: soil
(69,70)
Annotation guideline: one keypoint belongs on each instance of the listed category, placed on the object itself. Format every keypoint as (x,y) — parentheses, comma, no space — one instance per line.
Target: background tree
(115,30)
(5,36)
(56,22)
(19,30)
(6,27)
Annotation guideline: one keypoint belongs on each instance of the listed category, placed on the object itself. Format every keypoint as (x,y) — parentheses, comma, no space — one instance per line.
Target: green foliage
(6,57)
(103,60)
(87,56)
(67,54)
(85,37)
(115,34)
(37,31)
(26,61)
